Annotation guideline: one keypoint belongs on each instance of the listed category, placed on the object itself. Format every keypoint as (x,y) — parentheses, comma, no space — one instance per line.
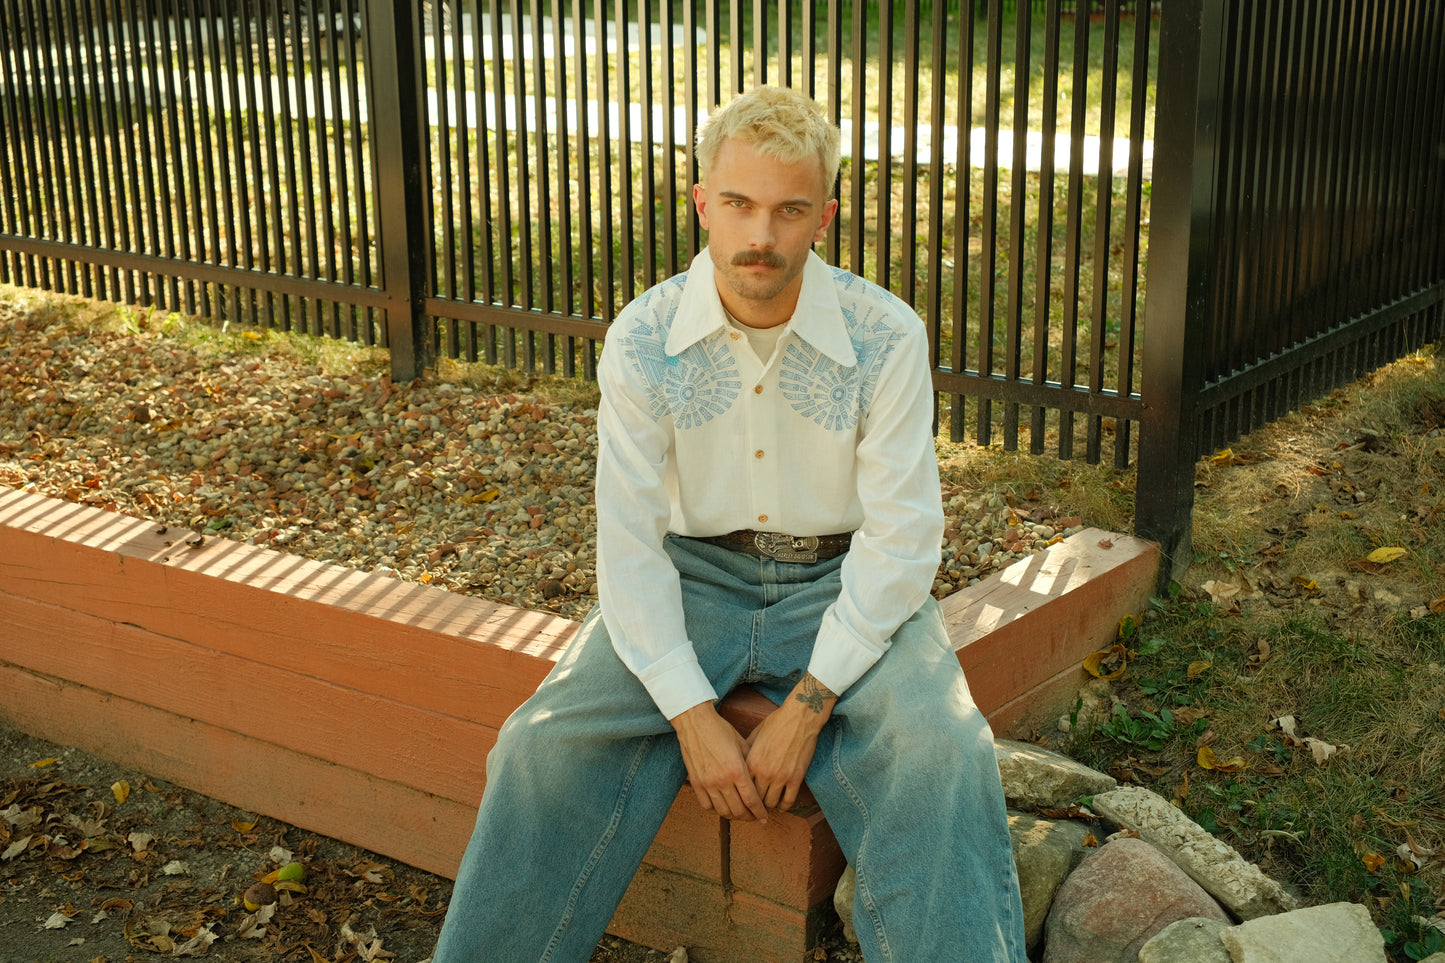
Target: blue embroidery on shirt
(693,387)
(828,393)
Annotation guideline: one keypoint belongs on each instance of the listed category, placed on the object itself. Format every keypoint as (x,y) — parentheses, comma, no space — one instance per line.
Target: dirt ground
(88,878)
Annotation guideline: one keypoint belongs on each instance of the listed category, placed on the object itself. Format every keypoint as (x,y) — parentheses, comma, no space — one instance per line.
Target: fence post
(1181,234)
(398,116)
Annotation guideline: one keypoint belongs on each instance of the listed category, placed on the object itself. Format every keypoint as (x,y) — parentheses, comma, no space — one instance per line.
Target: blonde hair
(778,122)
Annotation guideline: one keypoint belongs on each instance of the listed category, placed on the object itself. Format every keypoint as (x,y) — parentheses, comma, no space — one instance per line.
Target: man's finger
(753,802)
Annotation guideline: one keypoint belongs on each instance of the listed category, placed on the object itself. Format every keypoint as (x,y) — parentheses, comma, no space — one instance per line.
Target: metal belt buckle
(786,548)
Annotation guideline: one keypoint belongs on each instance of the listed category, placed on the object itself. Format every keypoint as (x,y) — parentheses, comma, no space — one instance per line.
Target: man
(768,514)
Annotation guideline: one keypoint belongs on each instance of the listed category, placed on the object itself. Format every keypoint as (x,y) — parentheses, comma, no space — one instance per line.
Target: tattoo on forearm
(813,694)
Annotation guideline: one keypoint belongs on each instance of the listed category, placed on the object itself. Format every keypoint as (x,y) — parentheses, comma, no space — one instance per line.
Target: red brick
(692,841)
(792,860)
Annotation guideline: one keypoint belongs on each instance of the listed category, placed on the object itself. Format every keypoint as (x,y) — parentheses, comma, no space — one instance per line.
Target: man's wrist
(813,700)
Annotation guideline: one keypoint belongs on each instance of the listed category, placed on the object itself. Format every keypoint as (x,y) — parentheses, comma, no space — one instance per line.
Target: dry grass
(1283,614)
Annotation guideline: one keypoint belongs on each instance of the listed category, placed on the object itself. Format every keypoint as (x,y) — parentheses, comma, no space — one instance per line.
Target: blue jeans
(584,772)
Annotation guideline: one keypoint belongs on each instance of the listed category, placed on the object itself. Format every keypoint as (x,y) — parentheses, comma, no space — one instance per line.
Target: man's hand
(717,768)
(781,747)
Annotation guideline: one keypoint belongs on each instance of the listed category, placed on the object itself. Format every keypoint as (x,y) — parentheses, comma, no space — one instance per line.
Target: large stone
(1044,852)
(1187,941)
(1213,864)
(1117,900)
(1035,778)
(843,902)
(1333,933)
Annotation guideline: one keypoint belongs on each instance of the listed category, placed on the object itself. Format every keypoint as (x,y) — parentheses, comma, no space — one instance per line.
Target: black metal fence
(493,181)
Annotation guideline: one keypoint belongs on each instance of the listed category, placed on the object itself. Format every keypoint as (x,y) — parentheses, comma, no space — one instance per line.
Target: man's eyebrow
(738,196)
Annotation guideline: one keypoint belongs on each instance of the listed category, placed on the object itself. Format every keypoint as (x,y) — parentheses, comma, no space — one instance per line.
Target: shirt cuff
(677,688)
(841,660)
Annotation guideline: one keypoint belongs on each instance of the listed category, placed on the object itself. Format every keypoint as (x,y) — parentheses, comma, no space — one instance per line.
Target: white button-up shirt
(698,438)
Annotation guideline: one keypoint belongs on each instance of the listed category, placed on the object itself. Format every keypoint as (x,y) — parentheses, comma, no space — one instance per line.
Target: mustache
(770,259)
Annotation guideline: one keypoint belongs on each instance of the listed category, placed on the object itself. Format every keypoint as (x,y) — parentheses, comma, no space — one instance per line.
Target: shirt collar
(818,318)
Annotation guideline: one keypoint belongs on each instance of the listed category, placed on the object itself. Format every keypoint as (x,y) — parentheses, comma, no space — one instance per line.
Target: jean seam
(598,852)
(861,888)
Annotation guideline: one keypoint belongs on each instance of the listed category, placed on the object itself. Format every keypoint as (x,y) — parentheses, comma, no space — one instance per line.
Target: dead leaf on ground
(1383,556)
(1107,664)
(1221,593)
(1373,862)
(1208,760)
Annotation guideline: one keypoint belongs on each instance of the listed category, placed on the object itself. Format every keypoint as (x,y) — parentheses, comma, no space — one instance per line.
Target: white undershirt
(763,341)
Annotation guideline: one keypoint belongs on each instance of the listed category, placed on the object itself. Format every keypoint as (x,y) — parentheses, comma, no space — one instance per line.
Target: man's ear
(830,211)
(699,201)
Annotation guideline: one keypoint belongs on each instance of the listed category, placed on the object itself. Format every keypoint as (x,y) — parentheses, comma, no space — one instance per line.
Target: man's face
(762,217)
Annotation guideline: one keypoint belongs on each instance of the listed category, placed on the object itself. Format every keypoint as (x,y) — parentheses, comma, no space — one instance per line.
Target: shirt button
(762,518)
(757,389)
(734,335)
(758,453)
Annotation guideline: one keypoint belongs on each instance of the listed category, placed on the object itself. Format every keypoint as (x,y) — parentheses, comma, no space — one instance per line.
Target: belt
(783,548)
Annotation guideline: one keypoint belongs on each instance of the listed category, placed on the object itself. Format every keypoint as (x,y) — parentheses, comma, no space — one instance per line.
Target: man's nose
(761,234)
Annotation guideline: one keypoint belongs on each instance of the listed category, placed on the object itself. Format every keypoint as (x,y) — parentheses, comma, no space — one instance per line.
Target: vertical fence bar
(396,52)
(937,105)
(1044,245)
(883,231)
(962,204)
(646,98)
(908,233)
(1182,213)
(1018,209)
(1073,222)
(607,224)
(73,213)
(1133,224)
(1103,216)
(988,274)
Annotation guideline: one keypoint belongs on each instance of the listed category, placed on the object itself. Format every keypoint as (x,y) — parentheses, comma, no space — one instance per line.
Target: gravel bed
(460,484)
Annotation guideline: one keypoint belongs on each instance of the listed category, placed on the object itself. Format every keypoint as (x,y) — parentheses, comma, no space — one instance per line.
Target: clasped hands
(743,778)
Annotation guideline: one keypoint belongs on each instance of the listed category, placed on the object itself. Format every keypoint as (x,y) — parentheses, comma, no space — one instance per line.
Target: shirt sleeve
(638,586)
(890,568)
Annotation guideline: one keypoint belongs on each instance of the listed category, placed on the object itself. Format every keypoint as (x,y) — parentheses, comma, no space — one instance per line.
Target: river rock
(1333,933)
(1211,863)
(1044,850)
(1035,778)
(1117,900)
(1193,940)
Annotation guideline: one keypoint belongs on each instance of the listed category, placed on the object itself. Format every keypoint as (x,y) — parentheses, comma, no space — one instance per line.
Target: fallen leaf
(1381,556)
(1090,840)
(140,842)
(1306,583)
(1094,662)
(1208,760)
(197,945)
(242,826)
(121,790)
(1322,750)
(1220,592)
(1373,862)
(253,925)
(1196,669)
(44,762)
(1437,605)
(16,848)
(57,920)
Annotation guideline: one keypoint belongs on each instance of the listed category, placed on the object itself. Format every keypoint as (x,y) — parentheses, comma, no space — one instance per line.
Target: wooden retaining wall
(362,707)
